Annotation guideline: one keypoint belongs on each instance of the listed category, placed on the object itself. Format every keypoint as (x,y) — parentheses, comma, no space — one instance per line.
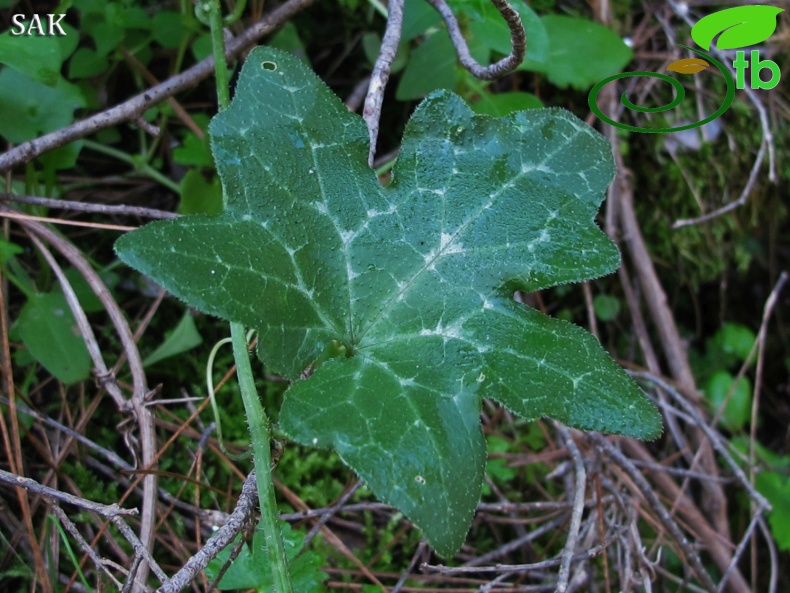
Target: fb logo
(738,27)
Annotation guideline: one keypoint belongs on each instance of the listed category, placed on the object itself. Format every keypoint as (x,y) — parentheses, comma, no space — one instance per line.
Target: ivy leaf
(405,289)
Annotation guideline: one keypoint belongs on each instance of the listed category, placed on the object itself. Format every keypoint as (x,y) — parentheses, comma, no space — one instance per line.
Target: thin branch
(136,404)
(500,568)
(647,491)
(381,74)
(236,523)
(580,479)
(84,546)
(398,587)
(9,213)
(518,40)
(742,199)
(747,536)
(131,109)
(88,207)
(773,554)
(140,549)
(109,511)
(668,333)
(713,437)
(88,337)
(332,510)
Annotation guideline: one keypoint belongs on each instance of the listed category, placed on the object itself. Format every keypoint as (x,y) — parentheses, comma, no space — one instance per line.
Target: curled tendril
(680,94)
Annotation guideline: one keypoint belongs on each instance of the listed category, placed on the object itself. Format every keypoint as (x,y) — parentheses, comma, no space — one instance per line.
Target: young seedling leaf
(415,280)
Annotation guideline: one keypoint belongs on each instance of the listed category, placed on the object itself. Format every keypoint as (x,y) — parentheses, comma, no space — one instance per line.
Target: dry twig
(518,40)
(381,74)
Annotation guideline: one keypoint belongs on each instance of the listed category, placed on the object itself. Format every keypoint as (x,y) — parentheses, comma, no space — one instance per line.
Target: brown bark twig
(647,491)
(136,403)
(381,74)
(29,484)
(89,207)
(677,358)
(580,481)
(518,40)
(237,521)
(84,546)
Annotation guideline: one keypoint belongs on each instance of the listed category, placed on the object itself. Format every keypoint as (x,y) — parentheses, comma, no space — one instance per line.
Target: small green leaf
(36,57)
(194,151)
(738,410)
(431,66)
(183,338)
(418,17)
(287,39)
(199,195)
(250,569)
(107,36)
(606,307)
(581,52)
(733,339)
(201,47)
(86,63)
(31,108)
(775,487)
(8,250)
(167,28)
(497,468)
(48,329)
(740,26)
(415,279)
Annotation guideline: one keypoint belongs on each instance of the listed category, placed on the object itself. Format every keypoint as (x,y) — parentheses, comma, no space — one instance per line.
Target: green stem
(218,45)
(260,435)
(138,164)
(260,432)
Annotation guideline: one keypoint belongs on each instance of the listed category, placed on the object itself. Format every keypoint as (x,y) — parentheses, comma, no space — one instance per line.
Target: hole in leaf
(271,66)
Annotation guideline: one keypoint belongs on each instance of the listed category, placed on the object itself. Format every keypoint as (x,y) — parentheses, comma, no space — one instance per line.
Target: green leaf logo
(415,280)
(739,27)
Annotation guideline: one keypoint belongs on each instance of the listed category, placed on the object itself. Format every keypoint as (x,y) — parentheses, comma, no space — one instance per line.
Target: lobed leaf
(414,281)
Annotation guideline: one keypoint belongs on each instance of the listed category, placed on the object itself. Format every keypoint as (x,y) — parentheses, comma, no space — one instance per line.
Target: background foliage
(717,277)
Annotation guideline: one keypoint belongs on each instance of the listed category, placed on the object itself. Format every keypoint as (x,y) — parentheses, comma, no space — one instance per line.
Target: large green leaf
(414,281)
(581,52)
